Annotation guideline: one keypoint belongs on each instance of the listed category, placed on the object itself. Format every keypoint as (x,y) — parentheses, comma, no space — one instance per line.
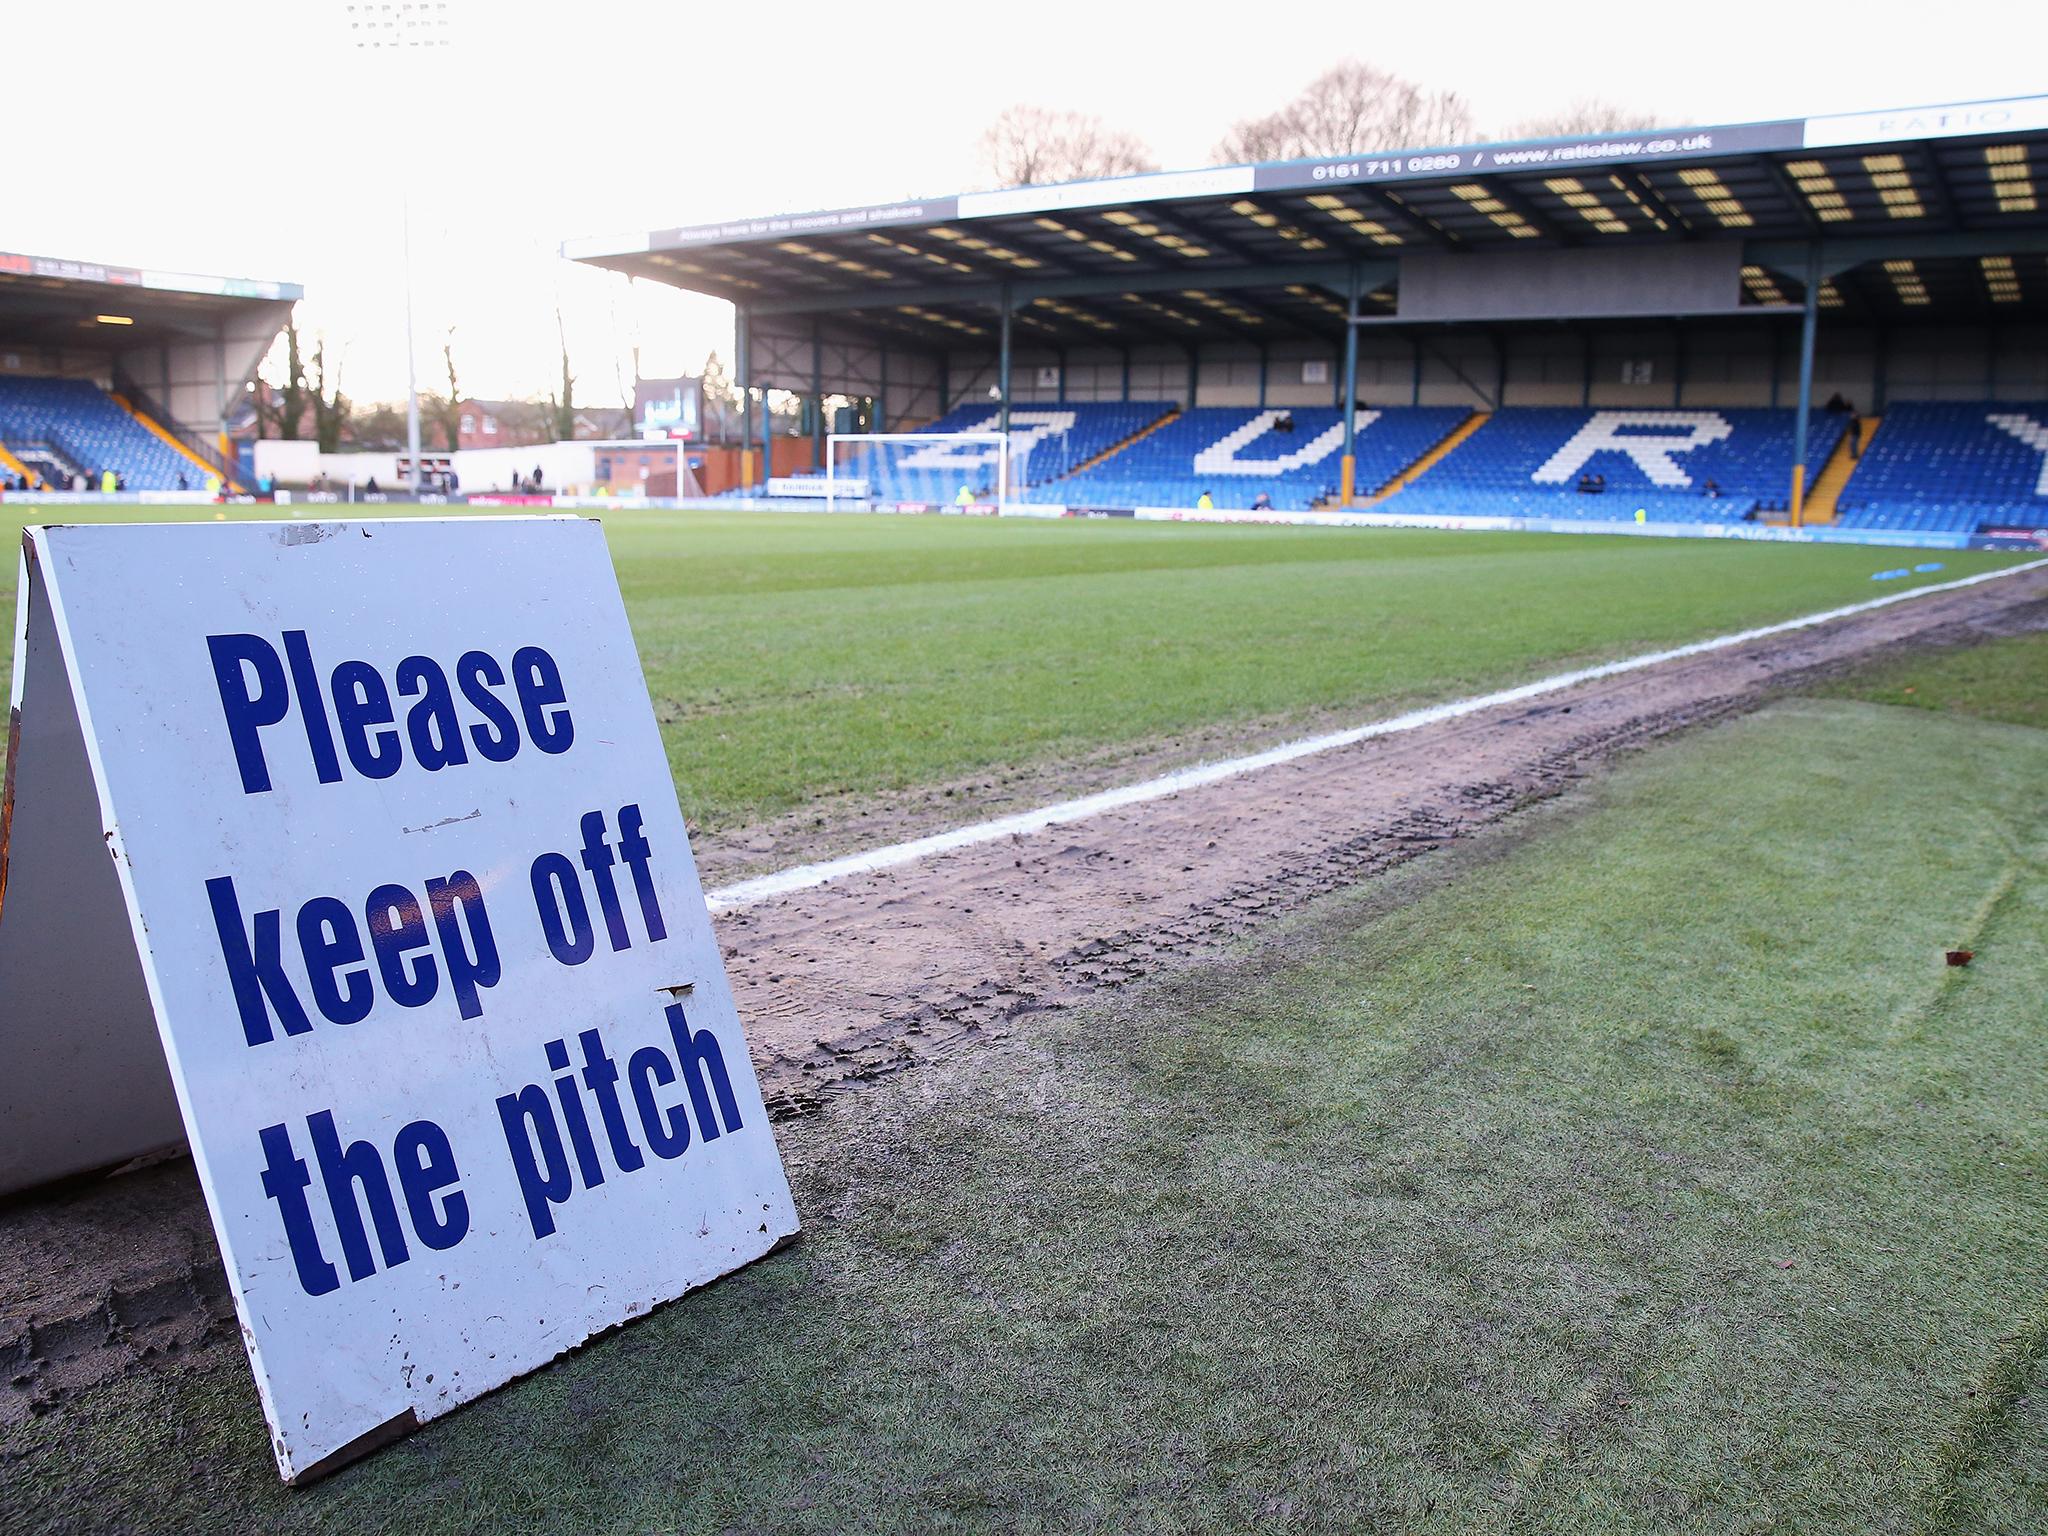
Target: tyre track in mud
(852,982)
(862,978)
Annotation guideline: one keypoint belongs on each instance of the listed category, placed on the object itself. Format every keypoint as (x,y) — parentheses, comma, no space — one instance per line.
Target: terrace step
(1116,448)
(1834,475)
(151,425)
(1429,460)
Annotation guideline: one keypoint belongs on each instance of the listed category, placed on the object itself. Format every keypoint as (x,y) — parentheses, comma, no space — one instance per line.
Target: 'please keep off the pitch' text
(430,935)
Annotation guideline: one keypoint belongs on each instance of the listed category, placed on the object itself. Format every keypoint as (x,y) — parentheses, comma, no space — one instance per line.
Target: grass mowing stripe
(808,876)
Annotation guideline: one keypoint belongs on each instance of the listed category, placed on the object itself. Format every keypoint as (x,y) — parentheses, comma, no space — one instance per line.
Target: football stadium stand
(1674,465)
(1621,324)
(1932,468)
(1046,442)
(1947,468)
(62,427)
(1289,454)
(106,368)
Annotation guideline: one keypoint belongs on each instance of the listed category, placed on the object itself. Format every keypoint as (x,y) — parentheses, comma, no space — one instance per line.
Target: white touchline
(806,876)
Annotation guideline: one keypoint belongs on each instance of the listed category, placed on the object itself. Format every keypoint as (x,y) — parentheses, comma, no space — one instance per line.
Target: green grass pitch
(791,656)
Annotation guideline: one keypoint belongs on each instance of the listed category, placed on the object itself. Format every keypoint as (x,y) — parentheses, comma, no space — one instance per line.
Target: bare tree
(626,391)
(1029,146)
(330,409)
(450,409)
(721,399)
(1351,108)
(561,421)
(1588,114)
(377,428)
(1440,117)
(280,412)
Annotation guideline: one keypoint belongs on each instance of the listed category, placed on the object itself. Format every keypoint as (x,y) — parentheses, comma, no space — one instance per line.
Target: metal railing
(140,399)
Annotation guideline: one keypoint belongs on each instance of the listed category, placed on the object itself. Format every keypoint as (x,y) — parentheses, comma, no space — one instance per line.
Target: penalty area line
(805,877)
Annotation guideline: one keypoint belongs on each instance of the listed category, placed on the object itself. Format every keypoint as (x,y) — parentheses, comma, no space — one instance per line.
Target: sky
(250,138)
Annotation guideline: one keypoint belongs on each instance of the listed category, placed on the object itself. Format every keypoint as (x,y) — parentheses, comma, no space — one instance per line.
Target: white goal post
(939,461)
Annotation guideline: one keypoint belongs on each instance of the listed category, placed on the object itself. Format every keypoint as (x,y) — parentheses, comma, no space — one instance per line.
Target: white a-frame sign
(349,853)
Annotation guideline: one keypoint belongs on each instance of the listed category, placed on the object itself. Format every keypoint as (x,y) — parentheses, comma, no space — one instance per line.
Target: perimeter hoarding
(391,833)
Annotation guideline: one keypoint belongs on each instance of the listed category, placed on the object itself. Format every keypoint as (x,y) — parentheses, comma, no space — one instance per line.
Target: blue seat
(1674,465)
(1940,467)
(1292,455)
(1047,442)
(87,429)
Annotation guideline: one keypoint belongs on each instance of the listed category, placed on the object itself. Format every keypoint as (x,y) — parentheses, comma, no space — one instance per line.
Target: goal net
(863,469)
(657,482)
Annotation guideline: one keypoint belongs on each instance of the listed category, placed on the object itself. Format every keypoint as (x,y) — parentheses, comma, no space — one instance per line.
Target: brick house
(500,424)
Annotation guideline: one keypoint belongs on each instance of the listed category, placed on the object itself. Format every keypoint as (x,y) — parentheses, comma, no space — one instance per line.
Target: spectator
(1262,502)
(1713,489)
(370,487)
(536,477)
(1205,503)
